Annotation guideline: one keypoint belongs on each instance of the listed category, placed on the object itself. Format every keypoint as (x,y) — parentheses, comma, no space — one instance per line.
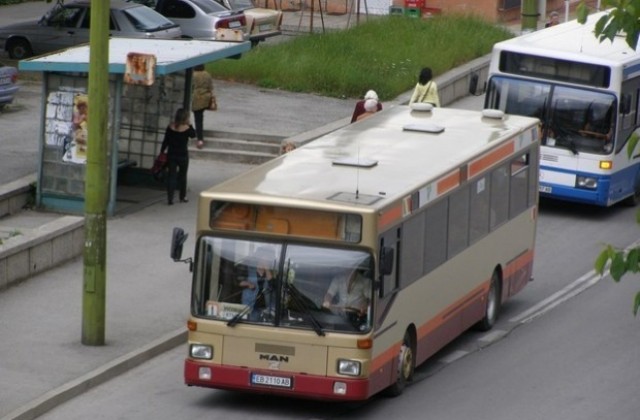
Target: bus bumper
(301,386)
(576,195)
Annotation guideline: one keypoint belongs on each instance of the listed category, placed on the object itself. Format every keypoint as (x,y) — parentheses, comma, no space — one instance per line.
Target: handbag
(213,104)
(159,166)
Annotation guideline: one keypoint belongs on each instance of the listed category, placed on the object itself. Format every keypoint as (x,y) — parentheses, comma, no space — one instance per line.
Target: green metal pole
(96,180)
(529,15)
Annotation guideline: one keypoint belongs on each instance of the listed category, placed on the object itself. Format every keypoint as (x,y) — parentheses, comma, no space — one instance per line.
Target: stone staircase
(32,241)
(249,148)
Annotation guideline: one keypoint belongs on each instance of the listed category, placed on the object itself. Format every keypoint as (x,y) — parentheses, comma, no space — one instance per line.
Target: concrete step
(245,147)
(235,156)
(32,242)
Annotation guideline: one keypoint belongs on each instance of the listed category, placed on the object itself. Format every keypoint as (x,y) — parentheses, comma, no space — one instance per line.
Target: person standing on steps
(201,101)
(176,145)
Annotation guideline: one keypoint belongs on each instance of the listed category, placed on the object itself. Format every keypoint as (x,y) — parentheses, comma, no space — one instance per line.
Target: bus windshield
(282,284)
(579,120)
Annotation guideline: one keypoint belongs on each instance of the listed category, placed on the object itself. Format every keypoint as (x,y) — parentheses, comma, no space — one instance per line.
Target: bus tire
(634,199)
(406,366)
(492,308)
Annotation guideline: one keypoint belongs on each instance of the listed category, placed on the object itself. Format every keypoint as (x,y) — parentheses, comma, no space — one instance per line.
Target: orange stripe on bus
(491,158)
(390,215)
(384,358)
(448,182)
(452,310)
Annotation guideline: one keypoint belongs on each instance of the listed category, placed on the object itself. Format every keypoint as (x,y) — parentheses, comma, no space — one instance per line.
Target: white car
(201,19)
(261,23)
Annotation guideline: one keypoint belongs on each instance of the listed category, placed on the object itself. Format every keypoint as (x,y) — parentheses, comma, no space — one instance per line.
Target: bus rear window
(285,220)
(555,69)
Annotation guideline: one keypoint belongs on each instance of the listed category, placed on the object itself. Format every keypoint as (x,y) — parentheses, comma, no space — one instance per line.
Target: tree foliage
(623,17)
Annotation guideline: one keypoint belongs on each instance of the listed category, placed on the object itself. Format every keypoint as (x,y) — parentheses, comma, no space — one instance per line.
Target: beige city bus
(332,271)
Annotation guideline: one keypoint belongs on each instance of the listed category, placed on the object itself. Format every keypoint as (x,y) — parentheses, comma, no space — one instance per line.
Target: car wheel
(19,49)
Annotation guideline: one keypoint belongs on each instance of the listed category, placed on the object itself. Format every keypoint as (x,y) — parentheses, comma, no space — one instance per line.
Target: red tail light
(14,78)
(224,24)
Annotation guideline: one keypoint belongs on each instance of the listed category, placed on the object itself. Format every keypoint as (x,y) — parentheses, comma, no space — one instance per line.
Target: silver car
(201,19)
(66,25)
(8,84)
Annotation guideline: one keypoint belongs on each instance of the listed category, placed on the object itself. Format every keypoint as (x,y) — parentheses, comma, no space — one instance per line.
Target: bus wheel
(634,199)
(493,305)
(406,366)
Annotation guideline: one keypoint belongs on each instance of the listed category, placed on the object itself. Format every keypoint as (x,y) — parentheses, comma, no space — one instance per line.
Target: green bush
(385,54)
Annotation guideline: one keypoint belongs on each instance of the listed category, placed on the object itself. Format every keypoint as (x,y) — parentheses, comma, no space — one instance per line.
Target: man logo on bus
(274,358)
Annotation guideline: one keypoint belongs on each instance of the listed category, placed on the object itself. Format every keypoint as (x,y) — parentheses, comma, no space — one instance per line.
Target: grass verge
(383,54)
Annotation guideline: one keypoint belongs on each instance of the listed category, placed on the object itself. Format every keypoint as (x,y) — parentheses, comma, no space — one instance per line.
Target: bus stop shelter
(140,108)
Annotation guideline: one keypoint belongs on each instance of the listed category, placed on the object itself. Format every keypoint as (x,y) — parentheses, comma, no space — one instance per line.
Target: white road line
(558,296)
(583,283)
(453,356)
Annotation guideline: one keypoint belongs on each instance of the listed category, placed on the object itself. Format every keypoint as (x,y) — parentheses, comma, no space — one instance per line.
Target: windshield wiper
(233,321)
(300,304)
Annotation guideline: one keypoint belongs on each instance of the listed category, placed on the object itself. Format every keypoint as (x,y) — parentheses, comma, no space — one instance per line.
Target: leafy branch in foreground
(620,263)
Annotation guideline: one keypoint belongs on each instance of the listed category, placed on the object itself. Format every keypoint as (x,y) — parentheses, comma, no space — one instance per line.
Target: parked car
(200,19)
(8,84)
(262,23)
(66,25)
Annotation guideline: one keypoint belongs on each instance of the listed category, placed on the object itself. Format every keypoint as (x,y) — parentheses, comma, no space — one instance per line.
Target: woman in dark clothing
(175,143)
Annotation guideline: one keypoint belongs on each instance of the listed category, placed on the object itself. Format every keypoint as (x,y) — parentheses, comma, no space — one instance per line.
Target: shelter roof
(171,55)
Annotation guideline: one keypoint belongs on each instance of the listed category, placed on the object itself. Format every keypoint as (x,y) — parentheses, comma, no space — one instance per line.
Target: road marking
(578,286)
(453,356)
(494,335)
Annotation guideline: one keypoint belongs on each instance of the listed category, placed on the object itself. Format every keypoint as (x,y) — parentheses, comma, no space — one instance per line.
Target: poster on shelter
(67,124)
(80,129)
(140,69)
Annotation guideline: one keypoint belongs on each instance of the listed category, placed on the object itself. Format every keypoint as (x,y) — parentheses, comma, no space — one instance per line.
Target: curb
(98,376)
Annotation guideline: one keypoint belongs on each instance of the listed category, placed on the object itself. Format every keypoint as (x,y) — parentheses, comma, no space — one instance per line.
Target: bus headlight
(201,351)
(586,182)
(349,367)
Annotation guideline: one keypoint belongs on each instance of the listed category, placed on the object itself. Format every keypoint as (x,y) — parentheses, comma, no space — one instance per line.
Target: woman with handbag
(175,144)
(203,99)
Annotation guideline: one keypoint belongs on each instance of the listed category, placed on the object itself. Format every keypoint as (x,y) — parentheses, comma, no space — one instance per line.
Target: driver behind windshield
(350,293)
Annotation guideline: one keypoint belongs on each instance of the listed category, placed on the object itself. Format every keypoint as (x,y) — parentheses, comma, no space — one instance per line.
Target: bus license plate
(279,381)
(544,189)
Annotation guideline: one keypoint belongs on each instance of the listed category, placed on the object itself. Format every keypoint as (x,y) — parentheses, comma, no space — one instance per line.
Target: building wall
(492,10)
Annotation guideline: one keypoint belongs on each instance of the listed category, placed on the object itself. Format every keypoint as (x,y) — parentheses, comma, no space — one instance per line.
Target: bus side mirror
(177,240)
(386,261)
(625,104)
(473,85)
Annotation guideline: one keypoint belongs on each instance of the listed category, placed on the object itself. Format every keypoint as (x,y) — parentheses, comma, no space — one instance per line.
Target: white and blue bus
(586,93)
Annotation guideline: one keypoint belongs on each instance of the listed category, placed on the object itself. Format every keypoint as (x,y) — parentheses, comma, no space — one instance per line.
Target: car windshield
(285,285)
(63,16)
(241,4)
(209,6)
(145,19)
(579,120)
